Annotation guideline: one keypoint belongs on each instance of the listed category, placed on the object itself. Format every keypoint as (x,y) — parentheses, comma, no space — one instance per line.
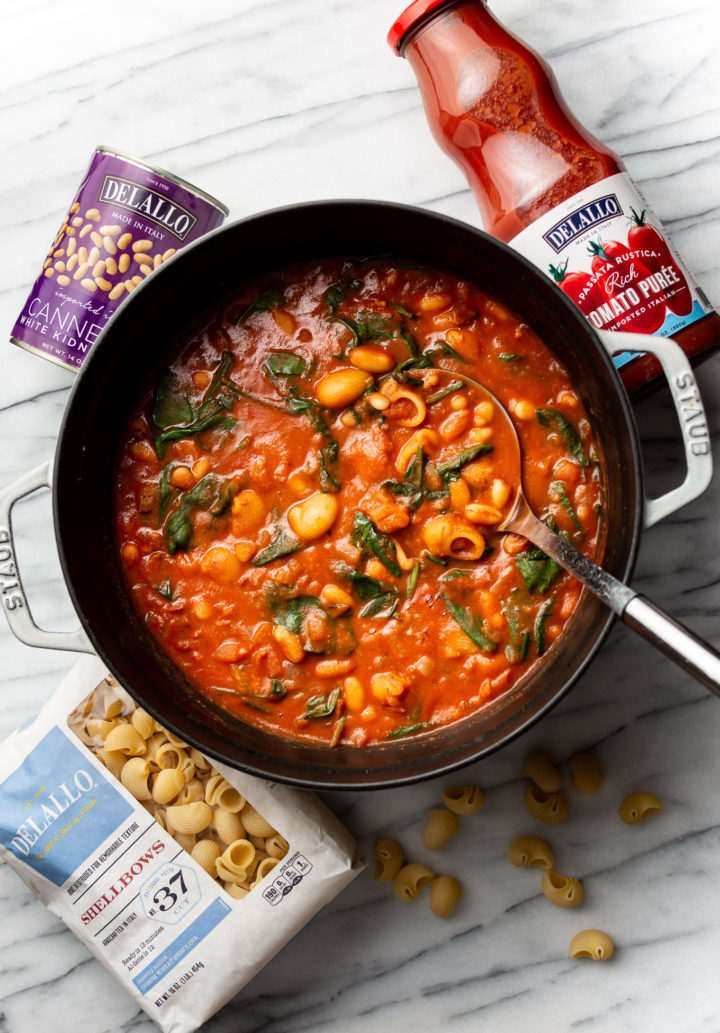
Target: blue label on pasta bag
(57,809)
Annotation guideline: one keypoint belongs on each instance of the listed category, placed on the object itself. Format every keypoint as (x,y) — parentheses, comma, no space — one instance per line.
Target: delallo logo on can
(127,218)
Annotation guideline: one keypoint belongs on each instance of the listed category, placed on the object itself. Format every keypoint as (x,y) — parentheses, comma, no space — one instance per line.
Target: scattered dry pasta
(445,891)
(186,796)
(586,774)
(592,943)
(550,808)
(463,799)
(440,827)
(410,880)
(539,767)
(388,858)
(531,852)
(562,891)
(638,806)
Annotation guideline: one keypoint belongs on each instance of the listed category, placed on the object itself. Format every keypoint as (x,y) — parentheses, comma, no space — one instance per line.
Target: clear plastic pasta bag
(183,877)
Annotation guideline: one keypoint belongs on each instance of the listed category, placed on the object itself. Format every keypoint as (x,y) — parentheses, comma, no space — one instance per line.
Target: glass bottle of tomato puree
(545,185)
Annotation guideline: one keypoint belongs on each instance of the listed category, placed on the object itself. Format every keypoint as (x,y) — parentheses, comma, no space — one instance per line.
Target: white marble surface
(265,102)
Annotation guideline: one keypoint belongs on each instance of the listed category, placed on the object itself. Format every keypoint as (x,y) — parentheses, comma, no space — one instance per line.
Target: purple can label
(126,219)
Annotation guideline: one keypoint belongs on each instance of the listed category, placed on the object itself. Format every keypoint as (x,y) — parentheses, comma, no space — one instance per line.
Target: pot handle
(14,599)
(690,411)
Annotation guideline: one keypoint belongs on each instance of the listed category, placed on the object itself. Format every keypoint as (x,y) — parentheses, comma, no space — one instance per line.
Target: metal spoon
(672,638)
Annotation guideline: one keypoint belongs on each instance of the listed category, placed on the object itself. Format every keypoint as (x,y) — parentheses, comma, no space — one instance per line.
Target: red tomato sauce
(308,502)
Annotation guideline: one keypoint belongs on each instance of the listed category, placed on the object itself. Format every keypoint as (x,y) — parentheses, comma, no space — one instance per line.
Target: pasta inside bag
(183,877)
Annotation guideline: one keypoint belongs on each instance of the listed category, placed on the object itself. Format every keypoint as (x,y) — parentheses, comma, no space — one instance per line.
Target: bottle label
(606,251)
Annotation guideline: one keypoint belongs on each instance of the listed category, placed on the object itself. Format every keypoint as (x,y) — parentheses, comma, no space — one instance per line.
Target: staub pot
(143,334)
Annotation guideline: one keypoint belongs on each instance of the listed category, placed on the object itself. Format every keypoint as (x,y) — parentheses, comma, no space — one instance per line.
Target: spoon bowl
(662,631)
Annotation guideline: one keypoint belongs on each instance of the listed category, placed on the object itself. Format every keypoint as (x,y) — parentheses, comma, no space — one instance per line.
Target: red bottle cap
(412,14)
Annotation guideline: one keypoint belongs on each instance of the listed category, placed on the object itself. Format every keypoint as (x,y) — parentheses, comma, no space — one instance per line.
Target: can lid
(410,16)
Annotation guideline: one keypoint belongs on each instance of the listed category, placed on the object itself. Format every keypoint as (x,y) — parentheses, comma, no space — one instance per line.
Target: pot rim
(321,776)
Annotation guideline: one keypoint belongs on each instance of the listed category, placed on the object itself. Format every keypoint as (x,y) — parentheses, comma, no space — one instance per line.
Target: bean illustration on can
(127,218)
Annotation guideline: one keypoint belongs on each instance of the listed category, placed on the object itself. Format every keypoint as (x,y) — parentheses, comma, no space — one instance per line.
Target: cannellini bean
(220,563)
(247,512)
(334,668)
(483,413)
(378,401)
(335,599)
(182,477)
(353,694)
(342,387)
(372,358)
(289,643)
(499,492)
(314,516)
(459,494)
(523,410)
(388,688)
(455,424)
(433,302)
(479,513)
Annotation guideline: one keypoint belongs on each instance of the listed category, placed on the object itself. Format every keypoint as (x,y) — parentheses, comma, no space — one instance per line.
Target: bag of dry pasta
(184,878)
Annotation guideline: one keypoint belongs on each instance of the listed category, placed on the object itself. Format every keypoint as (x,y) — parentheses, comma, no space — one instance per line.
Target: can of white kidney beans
(126,219)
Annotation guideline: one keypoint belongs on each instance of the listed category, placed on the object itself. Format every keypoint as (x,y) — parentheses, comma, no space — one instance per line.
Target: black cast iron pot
(156,319)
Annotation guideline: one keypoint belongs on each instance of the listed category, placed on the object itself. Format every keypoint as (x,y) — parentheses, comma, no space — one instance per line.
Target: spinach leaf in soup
(366,536)
(176,418)
(471,624)
(271,298)
(283,544)
(170,406)
(538,570)
(210,494)
(558,422)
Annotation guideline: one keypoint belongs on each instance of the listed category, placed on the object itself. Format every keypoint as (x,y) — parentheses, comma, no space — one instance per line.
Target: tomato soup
(309,500)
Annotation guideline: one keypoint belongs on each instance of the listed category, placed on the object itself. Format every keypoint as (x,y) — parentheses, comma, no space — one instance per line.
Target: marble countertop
(262,103)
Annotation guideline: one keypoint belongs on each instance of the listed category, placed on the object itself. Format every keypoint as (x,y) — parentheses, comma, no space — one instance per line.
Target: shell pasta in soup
(309,496)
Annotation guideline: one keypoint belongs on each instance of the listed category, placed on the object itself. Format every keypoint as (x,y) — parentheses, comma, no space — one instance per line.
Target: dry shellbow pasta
(463,799)
(388,858)
(638,806)
(445,891)
(550,808)
(193,802)
(561,890)
(441,825)
(531,852)
(540,768)
(586,774)
(592,943)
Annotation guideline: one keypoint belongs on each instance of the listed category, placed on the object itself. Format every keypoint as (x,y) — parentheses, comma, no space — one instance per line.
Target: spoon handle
(613,593)
(690,652)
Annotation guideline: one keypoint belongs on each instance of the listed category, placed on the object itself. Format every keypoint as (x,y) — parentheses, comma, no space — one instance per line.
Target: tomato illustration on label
(625,282)
(644,237)
(582,288)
